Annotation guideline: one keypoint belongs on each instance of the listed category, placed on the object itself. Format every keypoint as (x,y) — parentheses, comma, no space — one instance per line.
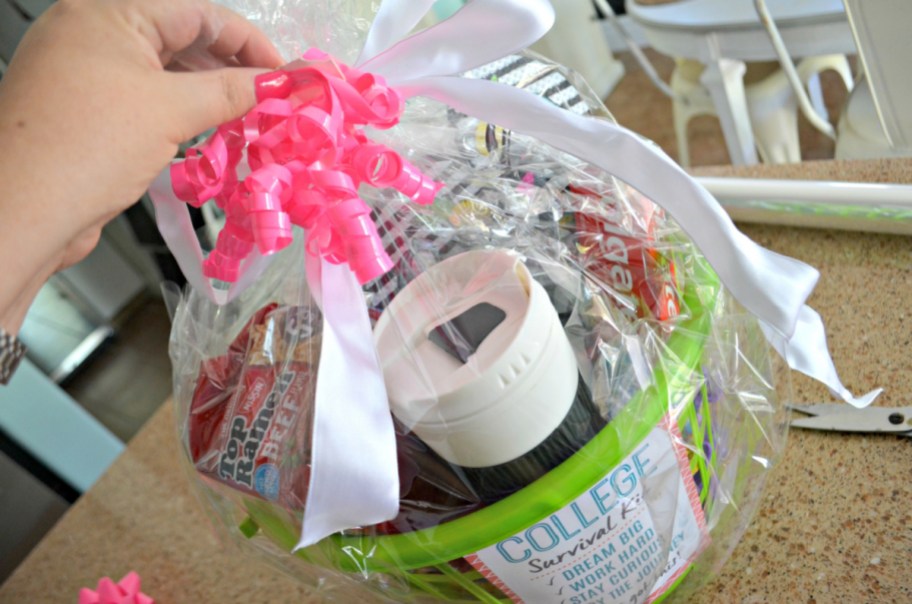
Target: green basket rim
(468,534)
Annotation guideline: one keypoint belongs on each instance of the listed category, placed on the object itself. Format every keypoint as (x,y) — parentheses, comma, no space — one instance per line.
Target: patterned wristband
(11,352)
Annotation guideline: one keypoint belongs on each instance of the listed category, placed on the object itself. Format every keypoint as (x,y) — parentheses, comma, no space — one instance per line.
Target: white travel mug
(477,364)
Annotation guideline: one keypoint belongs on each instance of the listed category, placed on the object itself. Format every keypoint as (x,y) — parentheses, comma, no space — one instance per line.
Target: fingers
(198,27)
(239,39)
(200,38)
(207,99)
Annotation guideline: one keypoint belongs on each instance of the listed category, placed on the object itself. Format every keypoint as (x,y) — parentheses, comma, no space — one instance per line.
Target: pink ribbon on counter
(126,591)
(354,481)
(307,155)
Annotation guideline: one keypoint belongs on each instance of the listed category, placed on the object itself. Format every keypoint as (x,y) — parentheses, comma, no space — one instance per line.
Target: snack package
(573,408)
(248,425)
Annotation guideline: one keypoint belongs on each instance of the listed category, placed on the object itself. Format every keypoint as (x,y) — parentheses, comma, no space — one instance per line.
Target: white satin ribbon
(176,228)
(354,473)
(354,459)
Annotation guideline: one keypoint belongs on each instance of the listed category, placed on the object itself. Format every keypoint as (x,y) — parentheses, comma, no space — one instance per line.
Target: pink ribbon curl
(307,155)
(126,591)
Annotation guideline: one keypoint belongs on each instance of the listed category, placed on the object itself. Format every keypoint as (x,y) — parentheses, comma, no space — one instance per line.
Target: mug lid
(473,352)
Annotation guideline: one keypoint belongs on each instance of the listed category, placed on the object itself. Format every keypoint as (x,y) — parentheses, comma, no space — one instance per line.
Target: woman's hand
(95,103)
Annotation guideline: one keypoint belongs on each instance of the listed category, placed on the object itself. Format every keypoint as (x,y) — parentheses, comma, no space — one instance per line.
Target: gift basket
(499,360)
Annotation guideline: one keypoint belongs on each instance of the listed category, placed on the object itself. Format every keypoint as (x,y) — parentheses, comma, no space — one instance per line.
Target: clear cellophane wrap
(653,480)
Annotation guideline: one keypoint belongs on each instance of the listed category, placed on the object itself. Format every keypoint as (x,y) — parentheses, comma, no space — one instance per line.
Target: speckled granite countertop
(835,523)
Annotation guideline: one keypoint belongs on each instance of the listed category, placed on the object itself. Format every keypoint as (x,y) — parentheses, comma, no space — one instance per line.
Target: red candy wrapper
(628,261)
(250,420)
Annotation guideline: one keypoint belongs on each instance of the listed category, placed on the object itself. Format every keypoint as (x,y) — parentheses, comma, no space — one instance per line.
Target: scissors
(838,417)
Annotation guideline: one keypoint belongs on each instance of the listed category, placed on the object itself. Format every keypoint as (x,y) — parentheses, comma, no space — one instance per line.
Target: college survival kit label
(626,539)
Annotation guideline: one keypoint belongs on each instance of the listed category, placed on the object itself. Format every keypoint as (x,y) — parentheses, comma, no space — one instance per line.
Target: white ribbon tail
(771,286)
(354,478)
(807,352)
(173,219)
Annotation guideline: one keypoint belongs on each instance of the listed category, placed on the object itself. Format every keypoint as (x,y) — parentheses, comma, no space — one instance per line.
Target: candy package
(484,368)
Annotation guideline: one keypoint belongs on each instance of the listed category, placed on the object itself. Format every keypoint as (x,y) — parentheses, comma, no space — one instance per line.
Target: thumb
(209,98)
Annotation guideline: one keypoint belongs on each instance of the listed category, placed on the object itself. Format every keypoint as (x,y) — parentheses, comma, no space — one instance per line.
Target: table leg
(724,78)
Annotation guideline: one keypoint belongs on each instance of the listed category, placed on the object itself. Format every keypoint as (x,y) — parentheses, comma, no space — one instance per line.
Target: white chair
(760,117)
(874,122)
(881,99)
(771,104)
(723,35)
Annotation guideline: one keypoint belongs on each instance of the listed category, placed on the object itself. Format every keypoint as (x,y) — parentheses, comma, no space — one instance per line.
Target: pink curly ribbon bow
(307,155)
(109,592)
